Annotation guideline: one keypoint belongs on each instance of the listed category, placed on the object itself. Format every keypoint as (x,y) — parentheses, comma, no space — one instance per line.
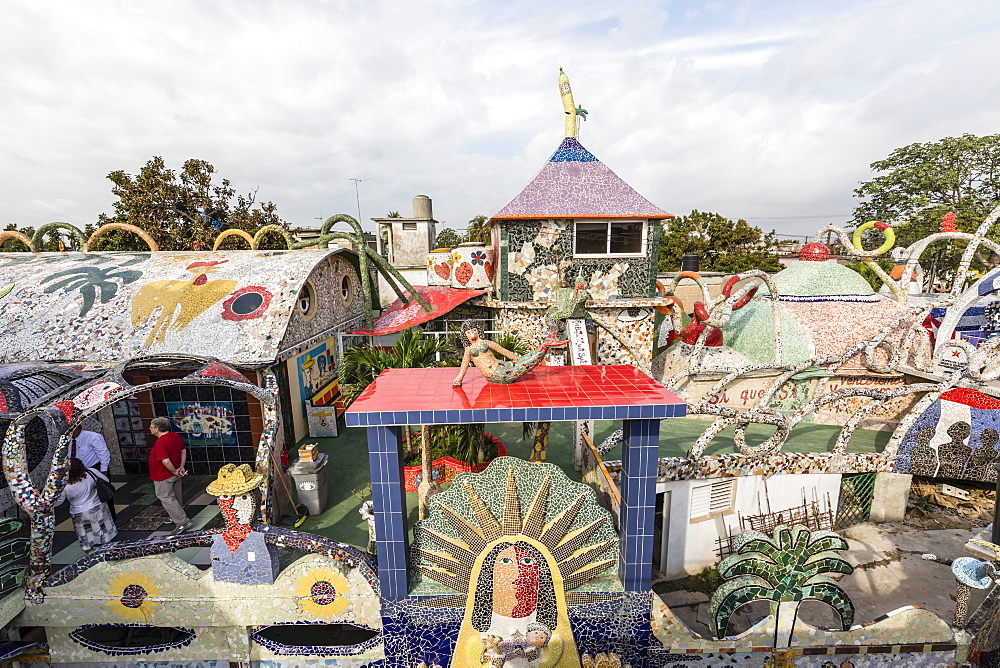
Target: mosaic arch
(64,414)
(24,386)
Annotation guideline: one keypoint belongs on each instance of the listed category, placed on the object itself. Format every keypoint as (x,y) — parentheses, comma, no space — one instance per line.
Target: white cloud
(749,108)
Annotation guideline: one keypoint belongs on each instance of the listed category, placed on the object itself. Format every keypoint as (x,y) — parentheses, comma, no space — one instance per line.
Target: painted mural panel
(316,371)
(955,437)
(208,423)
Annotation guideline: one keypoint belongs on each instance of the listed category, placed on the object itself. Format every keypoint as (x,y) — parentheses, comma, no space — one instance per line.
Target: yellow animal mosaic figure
(182,301)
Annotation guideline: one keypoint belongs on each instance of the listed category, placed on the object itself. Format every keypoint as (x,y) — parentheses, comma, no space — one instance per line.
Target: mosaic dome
(811,278)
(825,308)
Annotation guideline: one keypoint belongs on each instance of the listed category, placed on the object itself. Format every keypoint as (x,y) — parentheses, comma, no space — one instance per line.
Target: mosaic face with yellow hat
(240,554)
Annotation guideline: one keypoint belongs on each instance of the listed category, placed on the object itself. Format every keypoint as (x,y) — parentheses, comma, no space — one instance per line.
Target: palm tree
(479,230)
(412,350)
(785,569)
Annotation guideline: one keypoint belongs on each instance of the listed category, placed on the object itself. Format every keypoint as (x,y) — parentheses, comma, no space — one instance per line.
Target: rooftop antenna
(357,196)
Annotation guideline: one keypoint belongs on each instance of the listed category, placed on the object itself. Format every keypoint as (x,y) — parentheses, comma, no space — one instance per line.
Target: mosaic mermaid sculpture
(240,554)
(480,352)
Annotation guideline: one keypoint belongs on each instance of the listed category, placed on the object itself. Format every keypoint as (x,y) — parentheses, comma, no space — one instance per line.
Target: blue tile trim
(390,510)
(638,478)
(526,414)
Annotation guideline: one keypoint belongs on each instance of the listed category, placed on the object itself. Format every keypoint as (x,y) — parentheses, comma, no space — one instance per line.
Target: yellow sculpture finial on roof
(568,106)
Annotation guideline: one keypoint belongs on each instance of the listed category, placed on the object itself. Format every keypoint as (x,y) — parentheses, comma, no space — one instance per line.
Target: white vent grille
(717,497)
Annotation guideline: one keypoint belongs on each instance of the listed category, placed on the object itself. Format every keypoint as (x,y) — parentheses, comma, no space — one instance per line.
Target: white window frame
(645,238)
(721,499)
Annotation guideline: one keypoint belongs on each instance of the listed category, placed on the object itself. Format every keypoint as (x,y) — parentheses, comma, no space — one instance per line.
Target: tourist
(91,519)
(91,449)
(166,468)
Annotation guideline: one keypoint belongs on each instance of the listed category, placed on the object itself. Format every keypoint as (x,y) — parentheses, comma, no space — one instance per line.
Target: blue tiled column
(390,510)
(640,452)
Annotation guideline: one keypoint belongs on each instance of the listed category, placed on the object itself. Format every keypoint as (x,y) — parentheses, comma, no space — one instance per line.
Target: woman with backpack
(90,515)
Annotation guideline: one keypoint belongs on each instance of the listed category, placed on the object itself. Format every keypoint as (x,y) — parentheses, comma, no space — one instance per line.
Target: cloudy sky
(766,110)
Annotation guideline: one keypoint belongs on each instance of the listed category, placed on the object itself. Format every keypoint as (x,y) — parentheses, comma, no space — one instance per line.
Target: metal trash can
(310,483)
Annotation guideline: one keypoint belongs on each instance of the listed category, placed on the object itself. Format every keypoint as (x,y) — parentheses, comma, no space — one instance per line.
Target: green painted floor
(348,463)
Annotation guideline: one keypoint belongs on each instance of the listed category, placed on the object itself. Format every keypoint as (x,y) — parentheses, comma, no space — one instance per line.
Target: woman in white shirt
(90,515)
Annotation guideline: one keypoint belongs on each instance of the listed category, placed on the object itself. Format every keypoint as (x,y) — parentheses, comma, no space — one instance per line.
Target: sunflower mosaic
(320,593)
(131,596)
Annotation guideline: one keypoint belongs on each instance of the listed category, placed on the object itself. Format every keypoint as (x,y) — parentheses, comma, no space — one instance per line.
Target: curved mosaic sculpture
(785,569)
(71,408)
(983,362)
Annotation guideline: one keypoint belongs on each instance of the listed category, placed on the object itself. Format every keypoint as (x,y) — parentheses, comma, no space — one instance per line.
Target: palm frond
(829,592)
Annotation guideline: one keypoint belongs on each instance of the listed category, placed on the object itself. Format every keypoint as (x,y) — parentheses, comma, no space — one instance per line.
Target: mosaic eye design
(130,594)
(307,300)
(246,303)
(320,593)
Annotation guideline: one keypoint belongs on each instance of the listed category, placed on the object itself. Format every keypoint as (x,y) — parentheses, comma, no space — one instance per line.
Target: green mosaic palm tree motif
(89,280)
(785,569)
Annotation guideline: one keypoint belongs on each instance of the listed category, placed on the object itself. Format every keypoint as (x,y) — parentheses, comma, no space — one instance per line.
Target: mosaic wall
(541,252)
(338,299)
(632,321)
(220,621)
(240,306)
(732,465)
(957,437)
(635,327)
(909,636)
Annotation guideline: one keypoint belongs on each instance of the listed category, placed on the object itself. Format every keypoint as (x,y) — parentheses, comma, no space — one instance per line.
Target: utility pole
(357,196)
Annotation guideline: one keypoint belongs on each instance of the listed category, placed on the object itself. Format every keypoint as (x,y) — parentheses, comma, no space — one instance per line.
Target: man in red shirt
(166,468)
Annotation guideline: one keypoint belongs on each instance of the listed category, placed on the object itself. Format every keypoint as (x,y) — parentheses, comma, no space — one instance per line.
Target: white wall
(691,545)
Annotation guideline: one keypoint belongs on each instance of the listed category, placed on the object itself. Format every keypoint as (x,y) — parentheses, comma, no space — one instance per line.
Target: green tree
(447,238)
(393,214)
(479,231)
(179,208)
(920,183)
(723,244)
(785,569)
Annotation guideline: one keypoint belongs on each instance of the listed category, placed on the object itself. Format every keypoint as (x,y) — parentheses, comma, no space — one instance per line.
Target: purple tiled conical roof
(575,184)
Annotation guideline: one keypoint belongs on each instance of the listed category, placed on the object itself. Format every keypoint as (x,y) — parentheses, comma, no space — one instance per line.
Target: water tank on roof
(422,207)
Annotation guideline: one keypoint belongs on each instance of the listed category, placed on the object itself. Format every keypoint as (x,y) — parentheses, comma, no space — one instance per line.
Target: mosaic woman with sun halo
(517,593)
